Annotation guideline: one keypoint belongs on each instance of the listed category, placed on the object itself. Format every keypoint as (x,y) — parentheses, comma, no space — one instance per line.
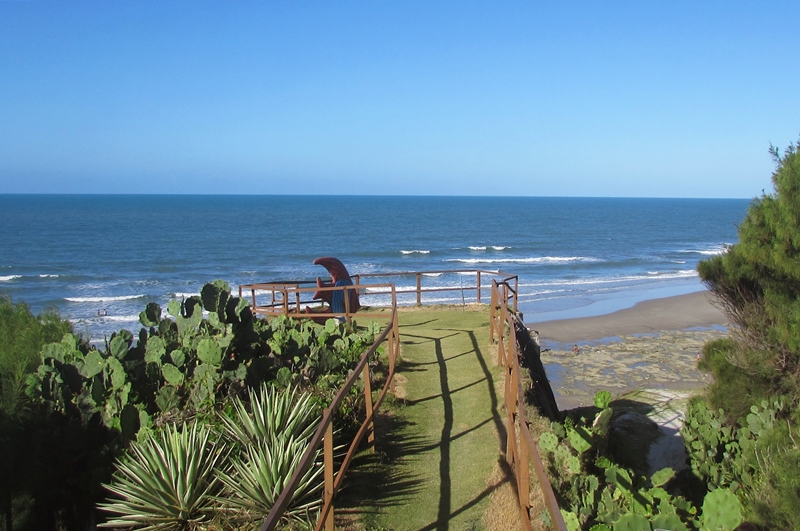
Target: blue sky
(637,98)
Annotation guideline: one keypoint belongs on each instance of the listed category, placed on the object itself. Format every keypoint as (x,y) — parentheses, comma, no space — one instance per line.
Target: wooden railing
(291,297)
(323,436)
(420,276)
(521,449)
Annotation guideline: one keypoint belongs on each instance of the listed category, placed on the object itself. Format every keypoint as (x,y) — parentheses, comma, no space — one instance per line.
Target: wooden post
(511,404)
(328,493)
(368,407)
(346,295)
(511,441)
(479,287)
(524,480)
(493,311)
(419,289)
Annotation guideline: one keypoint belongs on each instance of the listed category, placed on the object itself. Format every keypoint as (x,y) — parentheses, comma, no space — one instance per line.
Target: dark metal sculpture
(339,277)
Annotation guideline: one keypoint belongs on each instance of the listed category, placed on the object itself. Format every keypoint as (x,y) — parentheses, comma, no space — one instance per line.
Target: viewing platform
(454,450)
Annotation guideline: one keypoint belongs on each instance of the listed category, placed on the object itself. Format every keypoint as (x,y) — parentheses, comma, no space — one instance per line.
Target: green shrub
(229,474)
(756,457)
(594,491)
(271,434)
(758,279)
(182,365)
(168,482)
(180,368)
(22,336)
(747,437)
(774,498)
(733,389)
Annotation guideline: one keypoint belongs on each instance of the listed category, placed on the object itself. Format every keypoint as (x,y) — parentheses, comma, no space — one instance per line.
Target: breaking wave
(105,298)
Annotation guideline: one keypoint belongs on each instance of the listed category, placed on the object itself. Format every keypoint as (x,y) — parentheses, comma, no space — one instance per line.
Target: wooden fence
(289,298)
(521,450)
(323,436)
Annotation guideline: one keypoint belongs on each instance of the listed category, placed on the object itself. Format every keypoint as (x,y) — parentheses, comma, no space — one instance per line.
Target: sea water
(99,259)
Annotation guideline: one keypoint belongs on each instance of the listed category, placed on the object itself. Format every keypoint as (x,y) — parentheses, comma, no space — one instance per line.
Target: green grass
(442,437)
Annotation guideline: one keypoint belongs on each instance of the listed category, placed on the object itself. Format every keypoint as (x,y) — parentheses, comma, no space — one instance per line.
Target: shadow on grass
(381,480)
(375,481)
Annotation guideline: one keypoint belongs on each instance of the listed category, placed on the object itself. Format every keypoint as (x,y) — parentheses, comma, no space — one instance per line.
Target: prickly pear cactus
(632,522)
(721,511)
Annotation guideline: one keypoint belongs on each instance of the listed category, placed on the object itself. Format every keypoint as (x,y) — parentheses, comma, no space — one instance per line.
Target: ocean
(99,259)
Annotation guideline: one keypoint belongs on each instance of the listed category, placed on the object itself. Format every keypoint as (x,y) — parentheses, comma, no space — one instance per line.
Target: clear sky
(586,98)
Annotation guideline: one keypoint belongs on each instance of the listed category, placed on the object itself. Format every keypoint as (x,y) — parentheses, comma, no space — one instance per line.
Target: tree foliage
(22,335)
(746,436)
(758,279)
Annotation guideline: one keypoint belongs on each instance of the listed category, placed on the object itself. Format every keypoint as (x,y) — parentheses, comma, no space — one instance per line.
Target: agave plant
(273,436)
(168,481)
(273,413)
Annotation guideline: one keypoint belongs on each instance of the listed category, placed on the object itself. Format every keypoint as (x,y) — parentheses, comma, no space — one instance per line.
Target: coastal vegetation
(200,417)
(741,434)
(756,392)
(22,335)
(600,486)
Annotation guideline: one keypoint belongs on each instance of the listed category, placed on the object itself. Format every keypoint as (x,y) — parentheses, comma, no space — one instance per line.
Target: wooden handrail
(525,451)
(300,287)
(324,432)
(290,303)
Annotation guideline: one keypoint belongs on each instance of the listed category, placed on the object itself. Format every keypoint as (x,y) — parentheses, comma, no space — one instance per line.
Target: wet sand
(671,313)
(653,346)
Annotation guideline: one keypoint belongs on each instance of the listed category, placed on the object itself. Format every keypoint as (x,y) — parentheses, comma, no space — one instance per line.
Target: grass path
(438,448)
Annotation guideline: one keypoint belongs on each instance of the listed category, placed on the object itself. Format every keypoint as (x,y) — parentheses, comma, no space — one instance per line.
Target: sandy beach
(652,347)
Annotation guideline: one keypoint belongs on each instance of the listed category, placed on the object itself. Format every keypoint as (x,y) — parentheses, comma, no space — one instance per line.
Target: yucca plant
(273,435)
(167,482)
(272,413)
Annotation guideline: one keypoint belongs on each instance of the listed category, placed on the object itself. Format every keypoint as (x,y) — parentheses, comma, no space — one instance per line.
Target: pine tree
(758,279)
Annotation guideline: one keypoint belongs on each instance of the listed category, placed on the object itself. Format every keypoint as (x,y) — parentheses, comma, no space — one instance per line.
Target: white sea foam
(587,281)
(486,247)
(9,278)
(49,276)
(416,251)
(121,318)
(529,260)
(712,251)
(178,295)
(104,298)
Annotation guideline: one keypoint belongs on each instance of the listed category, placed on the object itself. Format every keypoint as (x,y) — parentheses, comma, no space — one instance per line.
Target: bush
(22,336)
(229,474)
(747,437)
(734,389)
(180,368)
(755,456)
(758,279)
